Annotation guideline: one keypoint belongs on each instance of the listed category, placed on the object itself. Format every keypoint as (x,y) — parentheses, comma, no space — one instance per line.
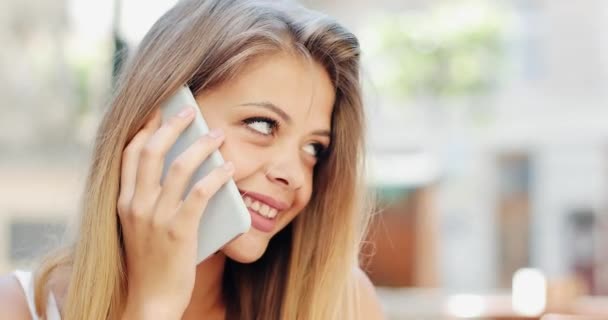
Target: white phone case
(225,216)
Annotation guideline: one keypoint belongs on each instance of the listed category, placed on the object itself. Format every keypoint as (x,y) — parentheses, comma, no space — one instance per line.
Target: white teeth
(261,208)
(272,213)
(248,201)
(264,210)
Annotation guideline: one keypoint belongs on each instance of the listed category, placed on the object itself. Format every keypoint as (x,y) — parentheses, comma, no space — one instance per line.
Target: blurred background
(488,143)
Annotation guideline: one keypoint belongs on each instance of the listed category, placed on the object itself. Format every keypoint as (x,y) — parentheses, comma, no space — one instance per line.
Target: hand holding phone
(226,215)
(160,217)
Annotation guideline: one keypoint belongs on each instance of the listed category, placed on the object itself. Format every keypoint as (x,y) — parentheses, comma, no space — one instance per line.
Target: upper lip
(269,201)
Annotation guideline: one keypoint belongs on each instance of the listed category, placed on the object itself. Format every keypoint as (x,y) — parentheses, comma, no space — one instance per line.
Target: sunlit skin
(276,118)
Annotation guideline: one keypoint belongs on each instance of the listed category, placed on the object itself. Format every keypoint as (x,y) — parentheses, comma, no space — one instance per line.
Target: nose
(286,169)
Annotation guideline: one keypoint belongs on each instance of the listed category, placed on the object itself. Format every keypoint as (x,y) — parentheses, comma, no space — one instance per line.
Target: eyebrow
(325,133)
(272,107)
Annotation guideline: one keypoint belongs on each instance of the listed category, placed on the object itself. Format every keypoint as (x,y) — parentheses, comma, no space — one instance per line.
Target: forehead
(301,87)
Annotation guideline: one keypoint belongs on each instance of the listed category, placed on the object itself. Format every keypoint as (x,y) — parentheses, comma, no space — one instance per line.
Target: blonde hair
(204,43)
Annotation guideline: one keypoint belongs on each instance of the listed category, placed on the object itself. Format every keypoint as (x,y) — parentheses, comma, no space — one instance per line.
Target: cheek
(236,151)
(303,198)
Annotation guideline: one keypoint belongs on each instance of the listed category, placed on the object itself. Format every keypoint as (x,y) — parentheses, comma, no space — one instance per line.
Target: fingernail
(229,166)
(216,133)
(185,113)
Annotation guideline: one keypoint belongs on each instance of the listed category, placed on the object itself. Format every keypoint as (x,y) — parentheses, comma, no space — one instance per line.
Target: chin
(246,248)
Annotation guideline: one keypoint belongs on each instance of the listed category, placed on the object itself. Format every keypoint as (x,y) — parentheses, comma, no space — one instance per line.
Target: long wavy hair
(308,269)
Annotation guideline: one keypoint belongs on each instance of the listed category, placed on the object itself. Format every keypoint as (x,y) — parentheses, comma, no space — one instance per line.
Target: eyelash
(320,150)
(274,125)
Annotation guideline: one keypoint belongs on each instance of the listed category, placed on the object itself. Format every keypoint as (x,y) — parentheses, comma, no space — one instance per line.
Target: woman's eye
(265,126)
(314,149)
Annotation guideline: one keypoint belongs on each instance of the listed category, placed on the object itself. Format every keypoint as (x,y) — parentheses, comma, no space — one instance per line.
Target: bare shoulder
(12,299)
(369,303)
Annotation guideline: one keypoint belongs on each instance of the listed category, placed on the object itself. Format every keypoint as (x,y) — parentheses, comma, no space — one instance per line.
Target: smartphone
(226,215)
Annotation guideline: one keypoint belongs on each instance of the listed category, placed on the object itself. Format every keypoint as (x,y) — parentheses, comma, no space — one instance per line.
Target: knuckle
(174,233)
(179,166)
(207,140)
(209,143)
(221,173)
(122,206)
(133,146)
(173,123)
(138,212)
(202,191)
(149,152)
(128,151)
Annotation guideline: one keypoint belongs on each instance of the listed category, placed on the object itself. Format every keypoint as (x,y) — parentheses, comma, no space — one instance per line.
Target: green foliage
(452,49)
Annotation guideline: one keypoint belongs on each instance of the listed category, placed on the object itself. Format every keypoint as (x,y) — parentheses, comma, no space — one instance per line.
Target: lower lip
(261,223)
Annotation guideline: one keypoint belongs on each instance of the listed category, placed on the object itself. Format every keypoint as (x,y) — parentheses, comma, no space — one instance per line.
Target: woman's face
(276,116)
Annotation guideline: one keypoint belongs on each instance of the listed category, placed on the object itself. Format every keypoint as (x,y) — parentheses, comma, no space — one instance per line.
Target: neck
(207,300)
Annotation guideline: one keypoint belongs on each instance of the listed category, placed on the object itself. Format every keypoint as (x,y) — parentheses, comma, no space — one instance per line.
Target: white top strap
(27,283)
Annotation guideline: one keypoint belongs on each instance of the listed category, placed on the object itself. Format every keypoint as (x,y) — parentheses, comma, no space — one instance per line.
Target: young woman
(280,87)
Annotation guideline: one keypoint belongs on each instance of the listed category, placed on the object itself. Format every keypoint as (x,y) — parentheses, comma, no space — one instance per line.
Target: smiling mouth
(260,207)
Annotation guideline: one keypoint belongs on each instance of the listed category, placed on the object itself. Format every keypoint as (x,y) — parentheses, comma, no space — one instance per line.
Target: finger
(152,155)
(180,172)
(130,159)
(195,203)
